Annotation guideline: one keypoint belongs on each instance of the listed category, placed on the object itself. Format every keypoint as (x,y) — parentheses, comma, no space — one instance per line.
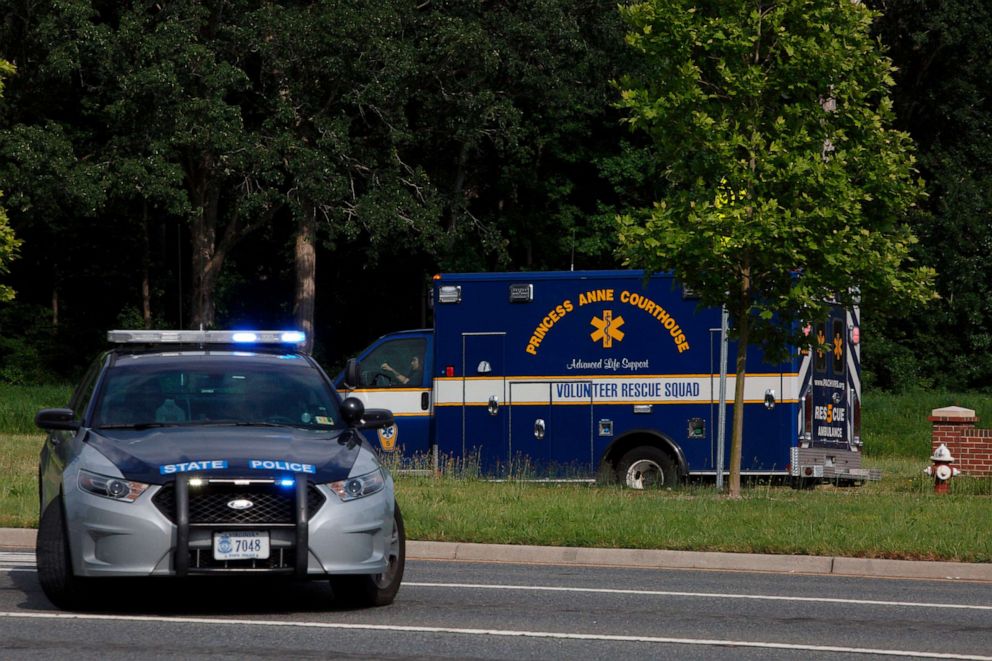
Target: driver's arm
(399,377)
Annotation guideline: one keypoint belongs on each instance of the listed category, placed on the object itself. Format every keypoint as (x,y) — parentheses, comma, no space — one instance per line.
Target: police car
(188,453)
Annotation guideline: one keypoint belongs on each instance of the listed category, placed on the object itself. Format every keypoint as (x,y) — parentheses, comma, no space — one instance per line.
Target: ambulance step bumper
(830,464)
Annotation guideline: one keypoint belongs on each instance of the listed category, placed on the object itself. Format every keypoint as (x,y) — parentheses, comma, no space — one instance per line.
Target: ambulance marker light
(449,294)
(449,371)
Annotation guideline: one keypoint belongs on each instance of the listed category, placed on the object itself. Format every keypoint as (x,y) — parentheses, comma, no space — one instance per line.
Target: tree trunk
(206,258)
(737,435)
(306,276)
(55,308)
(146,260)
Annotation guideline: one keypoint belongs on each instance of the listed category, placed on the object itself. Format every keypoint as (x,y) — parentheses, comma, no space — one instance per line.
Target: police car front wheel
(58,582)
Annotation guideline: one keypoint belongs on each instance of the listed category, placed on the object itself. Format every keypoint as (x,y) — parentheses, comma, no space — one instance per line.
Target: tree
(8,242)
(334,80)
(943,98)
(511,116)
(784,185)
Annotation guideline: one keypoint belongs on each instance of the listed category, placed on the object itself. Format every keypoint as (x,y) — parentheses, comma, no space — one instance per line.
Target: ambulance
(606,375)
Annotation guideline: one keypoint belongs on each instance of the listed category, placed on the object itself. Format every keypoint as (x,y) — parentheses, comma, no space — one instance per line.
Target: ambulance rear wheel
(648,467)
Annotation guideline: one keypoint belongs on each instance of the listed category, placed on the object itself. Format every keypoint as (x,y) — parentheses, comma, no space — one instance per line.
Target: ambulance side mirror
(352,375)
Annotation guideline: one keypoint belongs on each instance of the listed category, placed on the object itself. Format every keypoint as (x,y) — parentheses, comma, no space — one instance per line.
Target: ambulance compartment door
(830,384)
(551,428)
(484,397)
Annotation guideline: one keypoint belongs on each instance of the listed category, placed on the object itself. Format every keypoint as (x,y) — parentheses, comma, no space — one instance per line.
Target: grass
(19,486)
(897,426)
(899,517)
(18,404)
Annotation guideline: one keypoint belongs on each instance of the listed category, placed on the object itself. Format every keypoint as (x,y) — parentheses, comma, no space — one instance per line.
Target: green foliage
(784,185)
(513,125)
(771,124)
(943,97)
(8,242)
(31,353)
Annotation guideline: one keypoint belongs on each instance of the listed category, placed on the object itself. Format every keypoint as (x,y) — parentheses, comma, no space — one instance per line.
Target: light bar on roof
(206,337)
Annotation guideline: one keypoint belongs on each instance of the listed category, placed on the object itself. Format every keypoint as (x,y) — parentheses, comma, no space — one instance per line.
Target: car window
(218,390)
(394,364)
(84,391)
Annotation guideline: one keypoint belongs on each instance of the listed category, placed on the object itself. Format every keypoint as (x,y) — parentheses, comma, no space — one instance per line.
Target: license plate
(241,545)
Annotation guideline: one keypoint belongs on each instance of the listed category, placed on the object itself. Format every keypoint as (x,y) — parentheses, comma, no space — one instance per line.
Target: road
(461,610)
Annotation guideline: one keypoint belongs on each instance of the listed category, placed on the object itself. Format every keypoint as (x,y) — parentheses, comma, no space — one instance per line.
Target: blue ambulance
(593,374)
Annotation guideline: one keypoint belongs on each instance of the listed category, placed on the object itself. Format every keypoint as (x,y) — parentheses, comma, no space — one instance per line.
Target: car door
(58,444)
(393,376)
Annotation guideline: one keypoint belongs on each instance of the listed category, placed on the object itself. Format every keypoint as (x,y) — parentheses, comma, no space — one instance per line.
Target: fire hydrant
(942,471)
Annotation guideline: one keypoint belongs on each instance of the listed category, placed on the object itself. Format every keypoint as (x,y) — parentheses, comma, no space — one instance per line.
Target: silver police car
(188,453)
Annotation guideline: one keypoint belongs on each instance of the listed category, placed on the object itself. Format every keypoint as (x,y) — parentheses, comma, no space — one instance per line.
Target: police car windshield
(155,390)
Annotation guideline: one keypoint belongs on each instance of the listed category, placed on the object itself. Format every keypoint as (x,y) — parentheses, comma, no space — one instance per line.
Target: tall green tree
(785,186)
(333,84)
(8,242)
(512,116)
(943,98)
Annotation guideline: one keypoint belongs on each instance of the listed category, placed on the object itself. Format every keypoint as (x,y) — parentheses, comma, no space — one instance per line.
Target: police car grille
(208,504)
(278,560)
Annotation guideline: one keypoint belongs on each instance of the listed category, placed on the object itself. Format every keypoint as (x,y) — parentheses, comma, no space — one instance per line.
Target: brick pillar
(950,424)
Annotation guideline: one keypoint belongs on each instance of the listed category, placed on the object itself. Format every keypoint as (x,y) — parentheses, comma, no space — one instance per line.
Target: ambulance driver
(413,375)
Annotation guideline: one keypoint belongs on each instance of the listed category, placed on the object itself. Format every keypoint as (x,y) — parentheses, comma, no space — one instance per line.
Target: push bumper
(117,539)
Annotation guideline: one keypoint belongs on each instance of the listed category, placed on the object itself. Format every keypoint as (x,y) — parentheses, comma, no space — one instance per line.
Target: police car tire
(649,455)
(369,590)
(54,562)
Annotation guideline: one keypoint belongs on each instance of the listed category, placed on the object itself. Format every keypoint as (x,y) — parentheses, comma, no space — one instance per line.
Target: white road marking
(713,595)
(555,635)
(25,562)
(16,561)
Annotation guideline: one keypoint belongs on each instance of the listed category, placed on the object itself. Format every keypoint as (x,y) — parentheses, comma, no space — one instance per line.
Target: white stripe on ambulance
(663,389)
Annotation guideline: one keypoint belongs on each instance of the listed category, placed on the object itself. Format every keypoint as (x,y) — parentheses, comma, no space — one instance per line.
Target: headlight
(115,488)
(359,487)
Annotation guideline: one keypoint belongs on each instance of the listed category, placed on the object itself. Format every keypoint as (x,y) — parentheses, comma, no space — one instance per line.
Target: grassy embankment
(899,517)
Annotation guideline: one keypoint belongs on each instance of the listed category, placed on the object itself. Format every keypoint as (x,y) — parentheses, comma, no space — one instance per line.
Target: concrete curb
(17,539)
(657,559)
(24,540)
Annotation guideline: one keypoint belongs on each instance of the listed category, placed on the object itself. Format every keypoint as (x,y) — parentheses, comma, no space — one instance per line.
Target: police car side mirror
(356,415)
(352,375)
(377,419)
(352,411)
(56,420)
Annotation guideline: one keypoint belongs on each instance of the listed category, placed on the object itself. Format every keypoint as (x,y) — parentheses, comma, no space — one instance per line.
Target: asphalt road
(462,610)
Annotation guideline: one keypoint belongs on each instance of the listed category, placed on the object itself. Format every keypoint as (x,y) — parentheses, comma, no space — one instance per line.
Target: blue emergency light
(206,337)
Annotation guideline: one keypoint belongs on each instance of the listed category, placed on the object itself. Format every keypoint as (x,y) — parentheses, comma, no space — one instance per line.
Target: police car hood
(157,456)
